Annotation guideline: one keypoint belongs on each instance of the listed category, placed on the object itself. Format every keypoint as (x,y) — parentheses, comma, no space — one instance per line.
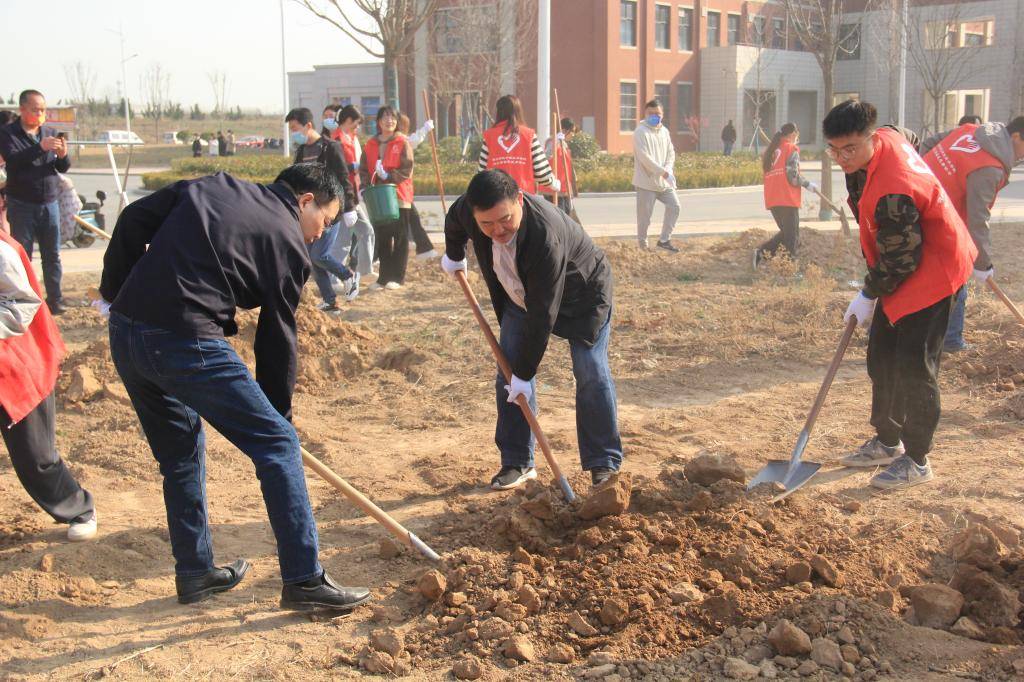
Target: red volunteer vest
(392,160)
(348,147)
(564,158)
(947,251)
(512,154)
(30,362)
(956,157)
(777,190)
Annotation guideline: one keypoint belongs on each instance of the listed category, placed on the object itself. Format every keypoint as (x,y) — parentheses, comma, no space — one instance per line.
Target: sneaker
(322,593)
(874,454)
(903,473)
(642,244)
(599,475)
(512,477)
(80,531)
(955,348)
(197,588)
(331,307)
(427,255)
(376,286)
(668,246)
(756,261)
(353,291)
(392,286)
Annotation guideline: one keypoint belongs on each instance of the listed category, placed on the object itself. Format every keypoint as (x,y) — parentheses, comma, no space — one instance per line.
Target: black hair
(332,107)
(348,112)
(315,178)
(489,187)
(6,116)
(785,130)
(654,104)
(386,110)
(848,118)
(25,94)
(1016,126)
(568,125)
(302,116)
(969,118)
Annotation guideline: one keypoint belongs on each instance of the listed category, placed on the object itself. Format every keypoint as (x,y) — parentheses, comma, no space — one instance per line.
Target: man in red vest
(30,353)
(919,256)
(973,162)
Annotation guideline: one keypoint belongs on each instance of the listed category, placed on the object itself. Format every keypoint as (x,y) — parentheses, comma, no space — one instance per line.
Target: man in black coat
(545,276)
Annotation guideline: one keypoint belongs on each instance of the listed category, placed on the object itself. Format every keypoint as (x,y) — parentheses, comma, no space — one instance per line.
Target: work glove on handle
(452,266)
(813,186)
(982,276)
(560,136)
(518,387)
(427,126)
(350,218)
(862,308)
(556,185)
(379,170)
(102,307)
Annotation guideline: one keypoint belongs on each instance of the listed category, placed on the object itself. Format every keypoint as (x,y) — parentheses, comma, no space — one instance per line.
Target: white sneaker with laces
(392,286)
(80,531)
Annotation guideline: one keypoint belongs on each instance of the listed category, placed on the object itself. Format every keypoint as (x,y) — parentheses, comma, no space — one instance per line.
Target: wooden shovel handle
(433,151)
(833,368)
(1005,299)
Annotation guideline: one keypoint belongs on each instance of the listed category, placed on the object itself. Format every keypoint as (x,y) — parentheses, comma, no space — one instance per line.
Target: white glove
(102,307)
(982,276)
(428,125)
(672,180)
(813,186)
(860,307)
(350,218)
(517,388)
(452,266)
(560,136)
(379,170)
(556,184)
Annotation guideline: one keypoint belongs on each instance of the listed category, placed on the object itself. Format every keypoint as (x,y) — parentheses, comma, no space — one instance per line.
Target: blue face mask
(330,124)
(654,120)
(299,137)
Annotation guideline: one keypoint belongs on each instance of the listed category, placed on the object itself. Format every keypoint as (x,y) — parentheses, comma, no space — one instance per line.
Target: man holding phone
(35,154)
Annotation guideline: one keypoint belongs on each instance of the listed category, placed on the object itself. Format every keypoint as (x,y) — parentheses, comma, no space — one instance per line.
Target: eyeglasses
(843,153)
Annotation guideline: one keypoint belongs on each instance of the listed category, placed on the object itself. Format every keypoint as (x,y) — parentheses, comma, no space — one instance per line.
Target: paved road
(705,211)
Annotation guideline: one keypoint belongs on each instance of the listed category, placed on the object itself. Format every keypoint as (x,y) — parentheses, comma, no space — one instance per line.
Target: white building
(358,84)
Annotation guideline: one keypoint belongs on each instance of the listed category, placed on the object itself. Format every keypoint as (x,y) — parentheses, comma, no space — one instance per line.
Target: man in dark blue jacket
(181,261)
(34,155)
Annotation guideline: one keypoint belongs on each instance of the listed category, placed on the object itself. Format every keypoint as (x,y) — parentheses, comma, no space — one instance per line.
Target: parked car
(252,141)
(119,137)
(171,137)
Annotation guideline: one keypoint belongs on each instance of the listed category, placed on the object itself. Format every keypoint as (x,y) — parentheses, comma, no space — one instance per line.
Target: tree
(394,22)
(942,48)
(761,100)
(81,79)
(219,82)
(196,114)
(477,51)
(155,84)
(826,28)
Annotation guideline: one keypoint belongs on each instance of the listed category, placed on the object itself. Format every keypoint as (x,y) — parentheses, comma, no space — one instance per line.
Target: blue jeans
(173,381)
(597,426)
(325,264)
(955,330)
(39,223)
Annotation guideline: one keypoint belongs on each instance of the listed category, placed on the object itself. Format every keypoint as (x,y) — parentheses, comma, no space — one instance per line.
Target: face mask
(330,124)
(299,137)
(34,120)
(654,120)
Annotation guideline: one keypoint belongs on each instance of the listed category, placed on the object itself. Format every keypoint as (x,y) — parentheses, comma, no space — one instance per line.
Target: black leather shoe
(57,308)
(599,475)
(200,587)
(326,594)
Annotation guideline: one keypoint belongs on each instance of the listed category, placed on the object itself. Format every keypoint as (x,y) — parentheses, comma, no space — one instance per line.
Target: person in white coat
(654,176)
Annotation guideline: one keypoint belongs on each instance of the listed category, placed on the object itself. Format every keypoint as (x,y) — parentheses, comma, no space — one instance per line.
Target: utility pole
(285,145)
(901,114)
(543,69)
(124,80)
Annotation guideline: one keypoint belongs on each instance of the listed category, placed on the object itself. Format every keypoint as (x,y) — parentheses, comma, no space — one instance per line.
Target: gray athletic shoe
(512,477)
(874,454)
(903,473)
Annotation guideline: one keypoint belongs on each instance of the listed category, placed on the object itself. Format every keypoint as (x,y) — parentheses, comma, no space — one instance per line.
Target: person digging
(545,276)
(919,255)
(181,262)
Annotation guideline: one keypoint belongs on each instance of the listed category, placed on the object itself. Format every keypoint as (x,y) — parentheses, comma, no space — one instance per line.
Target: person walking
(654,178)
(782,183)
(728,138)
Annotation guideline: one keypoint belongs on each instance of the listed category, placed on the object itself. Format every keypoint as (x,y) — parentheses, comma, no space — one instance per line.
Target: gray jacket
(18,300)
(983,184)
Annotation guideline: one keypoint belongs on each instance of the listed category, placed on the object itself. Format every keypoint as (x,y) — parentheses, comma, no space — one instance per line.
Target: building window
(369,107)
(849,43)
(779,33)
(627,23)
(627,107)
(942,34)
(714,28)
(840,97)
(732,28)
(662,27)
(686,29)
(663,93)
(684,107)
(757,29)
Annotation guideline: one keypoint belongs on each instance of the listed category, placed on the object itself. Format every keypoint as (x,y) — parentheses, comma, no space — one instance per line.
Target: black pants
(417,233)
(393,247)
(31,444)
(903,363)
(788,220)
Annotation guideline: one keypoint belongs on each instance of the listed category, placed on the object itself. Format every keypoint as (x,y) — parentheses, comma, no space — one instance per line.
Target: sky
(187,38)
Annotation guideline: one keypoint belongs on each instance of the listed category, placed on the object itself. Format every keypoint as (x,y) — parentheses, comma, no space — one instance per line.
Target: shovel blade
(777,471)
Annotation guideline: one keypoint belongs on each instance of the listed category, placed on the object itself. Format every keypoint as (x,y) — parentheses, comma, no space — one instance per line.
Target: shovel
(795,473)
(1005,299)
(840,211)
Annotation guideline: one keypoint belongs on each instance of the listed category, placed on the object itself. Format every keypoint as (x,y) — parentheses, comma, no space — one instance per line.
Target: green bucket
(381,203)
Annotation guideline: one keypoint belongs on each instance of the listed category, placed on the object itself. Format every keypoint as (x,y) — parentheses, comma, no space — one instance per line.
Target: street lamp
(124,81)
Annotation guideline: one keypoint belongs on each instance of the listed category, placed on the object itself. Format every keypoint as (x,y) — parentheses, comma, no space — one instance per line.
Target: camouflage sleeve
(899,244)
(854,188)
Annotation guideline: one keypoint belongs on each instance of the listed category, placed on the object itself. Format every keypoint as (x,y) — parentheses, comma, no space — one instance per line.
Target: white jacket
(653,154)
